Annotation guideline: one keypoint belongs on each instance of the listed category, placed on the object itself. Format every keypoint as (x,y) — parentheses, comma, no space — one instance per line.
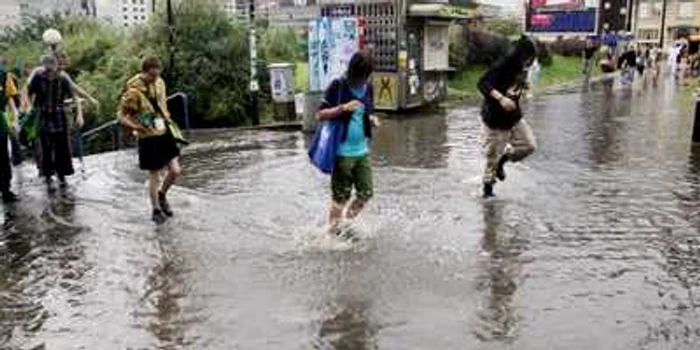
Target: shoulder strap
(3,93)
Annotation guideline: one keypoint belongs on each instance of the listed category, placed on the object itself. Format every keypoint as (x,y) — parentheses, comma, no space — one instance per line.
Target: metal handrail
(112,123)
(100,128)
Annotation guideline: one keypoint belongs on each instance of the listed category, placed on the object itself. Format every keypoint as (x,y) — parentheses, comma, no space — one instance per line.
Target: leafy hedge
(478,47)
(211,59)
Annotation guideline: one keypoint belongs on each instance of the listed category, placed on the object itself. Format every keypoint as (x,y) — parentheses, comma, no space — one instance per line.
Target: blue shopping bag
(324,145)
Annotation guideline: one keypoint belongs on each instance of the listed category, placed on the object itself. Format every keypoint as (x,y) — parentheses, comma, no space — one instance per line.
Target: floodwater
(592,243)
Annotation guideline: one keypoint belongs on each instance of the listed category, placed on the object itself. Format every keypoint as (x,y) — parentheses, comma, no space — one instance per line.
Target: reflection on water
(498,320)
(346,326)
(412,142)
(591,244)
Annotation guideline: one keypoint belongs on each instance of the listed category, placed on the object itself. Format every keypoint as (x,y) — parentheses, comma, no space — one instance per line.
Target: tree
(508,27)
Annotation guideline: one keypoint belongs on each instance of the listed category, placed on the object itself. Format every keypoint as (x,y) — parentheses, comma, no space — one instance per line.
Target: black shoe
(500,172)
(49,185)
(164,205)
(62,183)
(488,191)
(158,217)
(9,197)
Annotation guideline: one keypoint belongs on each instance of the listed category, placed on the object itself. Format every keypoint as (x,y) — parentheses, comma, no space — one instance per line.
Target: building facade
(615,16)
(9,13)
(682,19)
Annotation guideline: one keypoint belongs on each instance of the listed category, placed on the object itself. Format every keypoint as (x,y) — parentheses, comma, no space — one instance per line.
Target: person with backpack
(8,108)
(47,94)
(349,102)
(144,110)
(508,138)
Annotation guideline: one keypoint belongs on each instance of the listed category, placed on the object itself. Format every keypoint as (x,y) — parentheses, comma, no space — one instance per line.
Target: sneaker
(9,197)
(159,217)
(488,191)
(164,205)
(500,171)
(50,185)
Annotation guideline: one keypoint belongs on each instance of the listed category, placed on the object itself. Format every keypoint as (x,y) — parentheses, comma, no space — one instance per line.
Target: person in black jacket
(508,137)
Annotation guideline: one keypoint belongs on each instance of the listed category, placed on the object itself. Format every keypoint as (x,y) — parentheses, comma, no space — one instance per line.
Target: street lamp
(52,38)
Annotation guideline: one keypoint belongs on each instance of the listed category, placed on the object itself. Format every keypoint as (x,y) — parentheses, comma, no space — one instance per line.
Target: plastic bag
(324,146)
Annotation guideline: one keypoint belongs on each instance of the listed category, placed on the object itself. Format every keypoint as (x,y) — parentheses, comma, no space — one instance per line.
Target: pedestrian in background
(607,66)
(508,137)
(351,100)
(48,92)
(8,112)
(589,53)
(628,66)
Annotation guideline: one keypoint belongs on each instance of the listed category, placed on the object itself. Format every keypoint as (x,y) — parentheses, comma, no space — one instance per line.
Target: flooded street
(592,243)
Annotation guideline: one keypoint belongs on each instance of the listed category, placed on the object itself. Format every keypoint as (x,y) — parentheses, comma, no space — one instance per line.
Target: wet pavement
(592,243)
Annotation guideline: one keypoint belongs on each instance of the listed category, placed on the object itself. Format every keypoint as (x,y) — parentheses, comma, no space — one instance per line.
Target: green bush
(281,45)
(211,59)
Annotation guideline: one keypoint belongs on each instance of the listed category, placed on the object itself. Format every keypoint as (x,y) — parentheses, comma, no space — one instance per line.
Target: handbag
(177,133)
(324,146)
(29,127)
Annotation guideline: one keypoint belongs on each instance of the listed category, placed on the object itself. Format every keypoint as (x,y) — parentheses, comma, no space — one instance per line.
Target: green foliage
(211,63)
(281,45)
(211,58)
(509,27)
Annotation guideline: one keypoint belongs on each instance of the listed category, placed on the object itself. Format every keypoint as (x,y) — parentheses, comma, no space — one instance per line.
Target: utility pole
(663,23)
(254,85)
(171,30)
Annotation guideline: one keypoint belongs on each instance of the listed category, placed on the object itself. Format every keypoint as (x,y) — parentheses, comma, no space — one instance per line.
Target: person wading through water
(144,110)
(8,108)
(508,138)
(63,65)
(47,93)
(350,99)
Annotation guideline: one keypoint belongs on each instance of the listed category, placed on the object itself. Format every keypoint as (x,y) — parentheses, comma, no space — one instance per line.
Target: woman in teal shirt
(351,100)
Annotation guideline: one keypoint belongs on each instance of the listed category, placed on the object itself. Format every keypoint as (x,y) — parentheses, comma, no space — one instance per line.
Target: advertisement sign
(581,21)
(332,42)
(386,90)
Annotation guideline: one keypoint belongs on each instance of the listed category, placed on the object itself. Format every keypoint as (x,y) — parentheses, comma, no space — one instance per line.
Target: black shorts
(606,68)
(156,152)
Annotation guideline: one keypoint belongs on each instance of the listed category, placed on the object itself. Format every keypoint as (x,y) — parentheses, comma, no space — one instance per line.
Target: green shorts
(352,172)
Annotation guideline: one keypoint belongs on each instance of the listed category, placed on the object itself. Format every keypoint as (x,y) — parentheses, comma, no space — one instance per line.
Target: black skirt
(156,152)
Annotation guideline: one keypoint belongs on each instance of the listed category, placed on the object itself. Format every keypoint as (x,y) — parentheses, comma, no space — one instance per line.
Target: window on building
(126,9)
(136,18)
(133,2)
(648,34)
(126,18)
(656,10)
(143,18)
(685,9)
(143,2)
(644,10)
(126,24)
